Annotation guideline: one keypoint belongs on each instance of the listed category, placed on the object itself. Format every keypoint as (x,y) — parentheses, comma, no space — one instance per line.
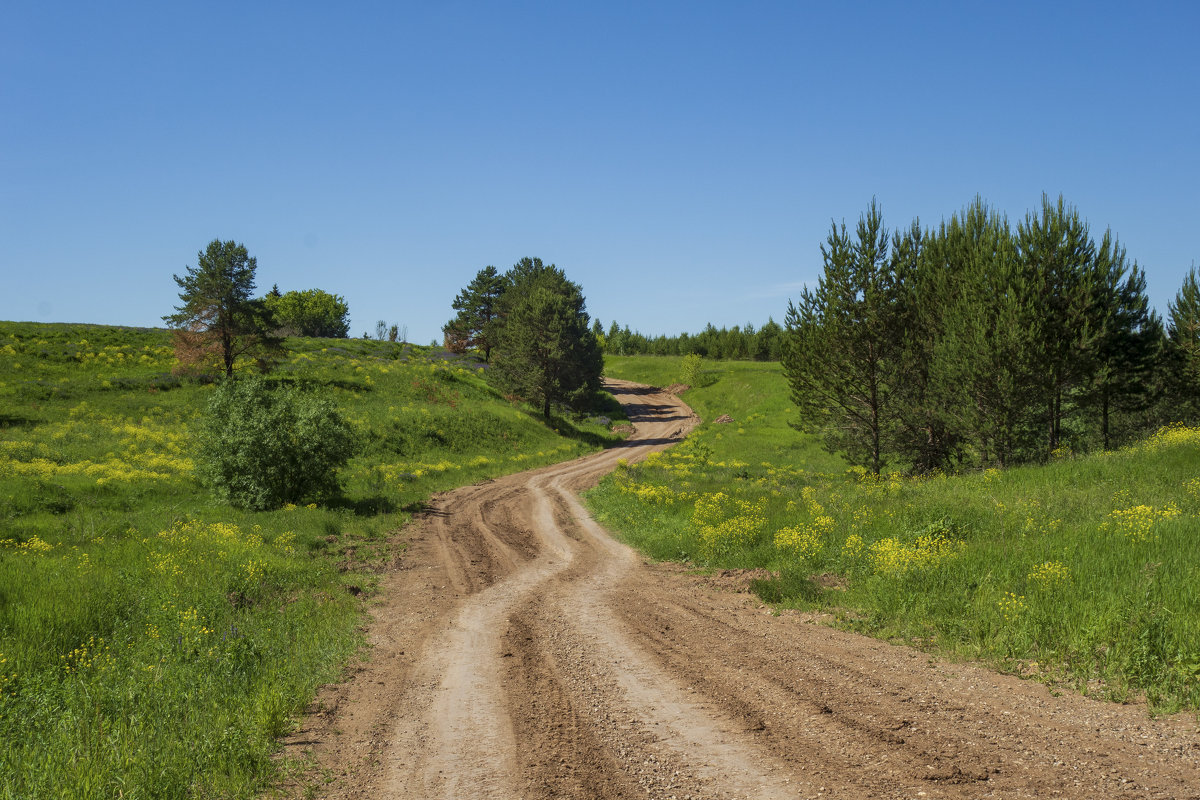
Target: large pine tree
(546,352)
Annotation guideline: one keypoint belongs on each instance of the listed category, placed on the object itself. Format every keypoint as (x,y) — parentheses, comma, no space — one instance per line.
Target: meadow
(155,642)
(1082,572)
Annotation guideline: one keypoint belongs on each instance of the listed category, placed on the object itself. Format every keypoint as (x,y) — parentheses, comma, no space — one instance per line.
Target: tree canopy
(219,320)
(538,333)
(310,312)
(477,307)
(973,343)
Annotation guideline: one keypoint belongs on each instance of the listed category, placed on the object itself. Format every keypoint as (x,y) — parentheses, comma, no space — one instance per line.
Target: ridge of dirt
(519,651)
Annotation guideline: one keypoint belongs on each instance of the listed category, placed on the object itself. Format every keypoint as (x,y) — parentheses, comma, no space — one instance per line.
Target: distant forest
(744,343)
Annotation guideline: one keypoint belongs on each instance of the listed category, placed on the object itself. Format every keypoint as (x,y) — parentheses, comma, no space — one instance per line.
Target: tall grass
(154,642)
(1083,571)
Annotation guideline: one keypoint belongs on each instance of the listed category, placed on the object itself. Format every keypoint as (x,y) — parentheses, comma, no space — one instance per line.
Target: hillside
(155,642)
(1079,572)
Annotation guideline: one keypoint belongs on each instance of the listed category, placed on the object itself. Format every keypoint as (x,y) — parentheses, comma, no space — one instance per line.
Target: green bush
(689,372)
(260,445)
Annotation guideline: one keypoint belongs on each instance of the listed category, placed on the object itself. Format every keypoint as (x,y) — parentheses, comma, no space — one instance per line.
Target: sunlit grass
(153,642)
(1083,571)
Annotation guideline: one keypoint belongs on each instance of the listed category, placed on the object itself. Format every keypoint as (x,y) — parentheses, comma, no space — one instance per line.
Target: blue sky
(681,161)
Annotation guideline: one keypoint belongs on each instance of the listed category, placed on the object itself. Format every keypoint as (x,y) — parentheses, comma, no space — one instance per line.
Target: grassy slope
(153,642)
(1083,571)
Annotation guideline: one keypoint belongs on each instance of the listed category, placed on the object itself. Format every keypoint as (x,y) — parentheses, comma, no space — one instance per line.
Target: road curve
(521,652)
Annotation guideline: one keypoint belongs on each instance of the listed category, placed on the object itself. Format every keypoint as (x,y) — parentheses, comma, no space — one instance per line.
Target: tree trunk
(1104,420)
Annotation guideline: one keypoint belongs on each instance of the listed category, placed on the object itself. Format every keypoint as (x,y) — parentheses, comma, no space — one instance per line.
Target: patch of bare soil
(724,419)
(676,388)
(521,652)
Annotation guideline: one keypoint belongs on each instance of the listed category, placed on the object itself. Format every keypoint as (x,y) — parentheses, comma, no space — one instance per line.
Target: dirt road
(521,652)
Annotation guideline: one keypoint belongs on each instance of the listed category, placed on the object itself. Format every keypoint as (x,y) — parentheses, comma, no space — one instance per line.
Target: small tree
(261,446)
(689,372)
(477,306)
(219,319)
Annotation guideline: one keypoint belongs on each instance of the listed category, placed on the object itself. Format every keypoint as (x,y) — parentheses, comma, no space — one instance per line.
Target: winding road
(519,651)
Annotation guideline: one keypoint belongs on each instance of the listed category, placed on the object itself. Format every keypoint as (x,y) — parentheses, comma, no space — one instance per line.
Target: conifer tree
(921,435)
(1060,255)
(546,352)
(1128,344)
(219,319)
(1183,315)
(980,371)
(477,307)
(842,341)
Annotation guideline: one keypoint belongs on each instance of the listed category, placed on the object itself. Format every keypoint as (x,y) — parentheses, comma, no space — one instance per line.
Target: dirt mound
(724,419)
(676,388)
(739,580)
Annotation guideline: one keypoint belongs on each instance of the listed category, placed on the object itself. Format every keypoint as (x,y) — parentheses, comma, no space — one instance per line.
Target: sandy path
(521,652)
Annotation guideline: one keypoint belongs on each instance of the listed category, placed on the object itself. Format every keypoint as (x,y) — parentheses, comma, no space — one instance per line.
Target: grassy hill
(154,642)
(1081,572)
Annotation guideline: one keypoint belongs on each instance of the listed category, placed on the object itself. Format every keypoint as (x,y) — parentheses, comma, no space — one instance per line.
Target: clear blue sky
(681,161)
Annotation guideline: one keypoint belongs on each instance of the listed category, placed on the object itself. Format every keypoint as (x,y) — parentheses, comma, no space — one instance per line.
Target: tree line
(740,343)
(975,343)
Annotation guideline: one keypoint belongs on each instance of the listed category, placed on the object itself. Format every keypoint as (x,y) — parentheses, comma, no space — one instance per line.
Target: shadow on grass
(788,586)
(318,384)
(14,421)
(365,506)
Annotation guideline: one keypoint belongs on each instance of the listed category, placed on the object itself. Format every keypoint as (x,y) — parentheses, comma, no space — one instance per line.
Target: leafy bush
(689,372)
(261,446)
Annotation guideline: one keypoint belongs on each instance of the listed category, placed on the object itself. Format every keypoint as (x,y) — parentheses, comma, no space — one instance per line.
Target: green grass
(1082,572)
(753,393)
(153,642)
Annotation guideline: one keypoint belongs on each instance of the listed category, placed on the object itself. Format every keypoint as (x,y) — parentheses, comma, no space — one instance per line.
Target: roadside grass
(153,642)
(1083,572)
(754,393)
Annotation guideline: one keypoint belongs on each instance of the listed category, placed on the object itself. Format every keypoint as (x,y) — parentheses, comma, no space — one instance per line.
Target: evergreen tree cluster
(973,344)
(531,325)
(739,343)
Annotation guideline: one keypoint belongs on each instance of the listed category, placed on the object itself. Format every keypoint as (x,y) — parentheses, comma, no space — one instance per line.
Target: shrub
(689,372)
(261,446)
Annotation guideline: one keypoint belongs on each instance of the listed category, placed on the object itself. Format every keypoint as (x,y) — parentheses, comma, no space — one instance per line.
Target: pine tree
(219,320)
(1183,331)
(1060,255)
(980,371)
(1128,344)
(921,434)
(477,307)
(841,344)
(546,352)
